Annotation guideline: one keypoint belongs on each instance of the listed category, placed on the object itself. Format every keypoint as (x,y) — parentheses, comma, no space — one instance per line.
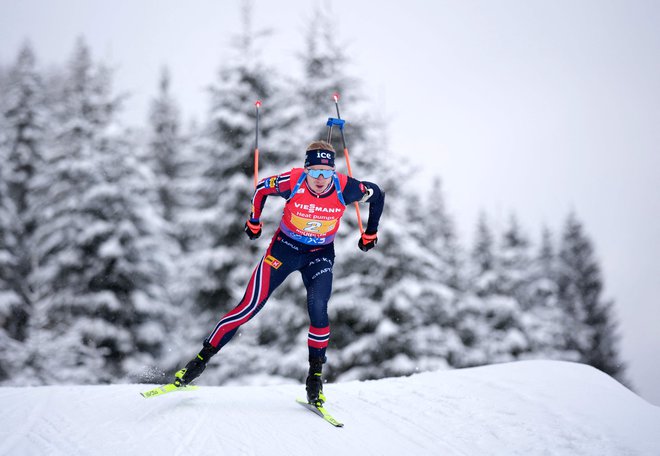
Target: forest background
(214,153)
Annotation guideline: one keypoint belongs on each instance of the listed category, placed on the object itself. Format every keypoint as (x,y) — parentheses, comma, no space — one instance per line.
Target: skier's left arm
(366,192)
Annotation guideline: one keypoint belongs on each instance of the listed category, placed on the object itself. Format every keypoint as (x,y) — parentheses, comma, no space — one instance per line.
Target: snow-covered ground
(523,408)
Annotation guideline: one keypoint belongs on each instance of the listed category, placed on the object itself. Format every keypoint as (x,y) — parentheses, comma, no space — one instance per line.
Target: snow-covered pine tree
(23,130)
(443,240)
(489,318)
(219,264)
(26,117)
(174,166)
(362,332)
(514,261)
(419,301)
(482,265)
(165,147)
(101,310)
(445,280)
(387,304)
(592,329)
(514,276)
(13,318)
(325,65)
(543,319)
(470,320)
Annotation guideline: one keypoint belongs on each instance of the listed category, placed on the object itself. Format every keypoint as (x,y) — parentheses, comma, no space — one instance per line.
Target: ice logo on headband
(322,154)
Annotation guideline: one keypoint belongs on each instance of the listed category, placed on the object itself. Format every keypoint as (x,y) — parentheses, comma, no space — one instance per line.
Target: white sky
(531,107)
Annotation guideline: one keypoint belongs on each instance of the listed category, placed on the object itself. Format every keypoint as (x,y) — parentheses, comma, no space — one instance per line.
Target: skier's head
(320,153)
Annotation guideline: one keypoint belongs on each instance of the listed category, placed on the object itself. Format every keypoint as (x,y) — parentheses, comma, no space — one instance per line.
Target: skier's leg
(274,267)
(266,277)
(317,277)
(256,294)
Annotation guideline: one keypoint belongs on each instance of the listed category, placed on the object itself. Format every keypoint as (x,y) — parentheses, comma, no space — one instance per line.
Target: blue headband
(319,157)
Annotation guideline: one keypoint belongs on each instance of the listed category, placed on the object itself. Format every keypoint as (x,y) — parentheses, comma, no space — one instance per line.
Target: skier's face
(320,183)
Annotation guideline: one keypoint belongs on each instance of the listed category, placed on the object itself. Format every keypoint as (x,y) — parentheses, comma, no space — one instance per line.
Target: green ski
(320,411)
(168,388)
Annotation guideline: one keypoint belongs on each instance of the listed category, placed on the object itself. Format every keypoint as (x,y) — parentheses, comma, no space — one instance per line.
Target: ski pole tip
(258,103)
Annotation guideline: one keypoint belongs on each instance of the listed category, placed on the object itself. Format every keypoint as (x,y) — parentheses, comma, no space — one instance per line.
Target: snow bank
(524,408)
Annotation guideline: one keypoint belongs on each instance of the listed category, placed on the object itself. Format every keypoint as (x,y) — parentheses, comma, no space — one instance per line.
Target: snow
(522,408)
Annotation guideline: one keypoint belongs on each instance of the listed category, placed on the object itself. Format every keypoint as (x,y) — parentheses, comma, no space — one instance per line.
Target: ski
(320,411)
(168,388)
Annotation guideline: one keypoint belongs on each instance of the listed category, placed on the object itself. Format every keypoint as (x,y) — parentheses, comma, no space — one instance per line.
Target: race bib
(311,226)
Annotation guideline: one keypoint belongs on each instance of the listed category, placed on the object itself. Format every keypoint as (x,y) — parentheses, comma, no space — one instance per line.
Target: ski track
(12,437)
(194,432)
(533,409)
(57,435)
(557,430)
(387,409)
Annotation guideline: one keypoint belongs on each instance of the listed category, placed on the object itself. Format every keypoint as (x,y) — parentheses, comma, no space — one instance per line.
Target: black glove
(253,229)
(367,241)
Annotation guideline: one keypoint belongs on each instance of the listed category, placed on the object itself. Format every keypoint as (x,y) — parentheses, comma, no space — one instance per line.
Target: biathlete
(316,197)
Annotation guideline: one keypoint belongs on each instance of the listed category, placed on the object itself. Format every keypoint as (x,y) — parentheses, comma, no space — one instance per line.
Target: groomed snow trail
(525,408)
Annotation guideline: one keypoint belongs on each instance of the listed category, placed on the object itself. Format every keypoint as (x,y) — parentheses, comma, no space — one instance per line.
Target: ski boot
(195,367)
(314,382)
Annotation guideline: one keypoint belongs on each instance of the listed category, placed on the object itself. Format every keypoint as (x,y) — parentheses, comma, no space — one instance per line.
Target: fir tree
(489,318)
(24,118)
(514,263)
(442,238)
(12,314)
(101,312)
(483,265)
(25,114)
(221,262)
(391,311)
(421,303)
(175,173)
(592,330)
(165,148)
(366,315)
(543,318)
(324,65)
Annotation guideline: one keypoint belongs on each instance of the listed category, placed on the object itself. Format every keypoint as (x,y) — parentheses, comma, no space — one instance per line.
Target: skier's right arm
(273,185)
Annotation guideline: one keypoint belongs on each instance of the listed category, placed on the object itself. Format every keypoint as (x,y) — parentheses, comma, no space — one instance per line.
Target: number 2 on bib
(313,226)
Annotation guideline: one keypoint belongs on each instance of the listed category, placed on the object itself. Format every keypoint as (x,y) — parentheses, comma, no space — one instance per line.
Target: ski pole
(256,146)
(340,123)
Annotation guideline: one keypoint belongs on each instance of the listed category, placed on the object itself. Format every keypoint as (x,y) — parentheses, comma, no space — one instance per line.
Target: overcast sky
(529,107)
